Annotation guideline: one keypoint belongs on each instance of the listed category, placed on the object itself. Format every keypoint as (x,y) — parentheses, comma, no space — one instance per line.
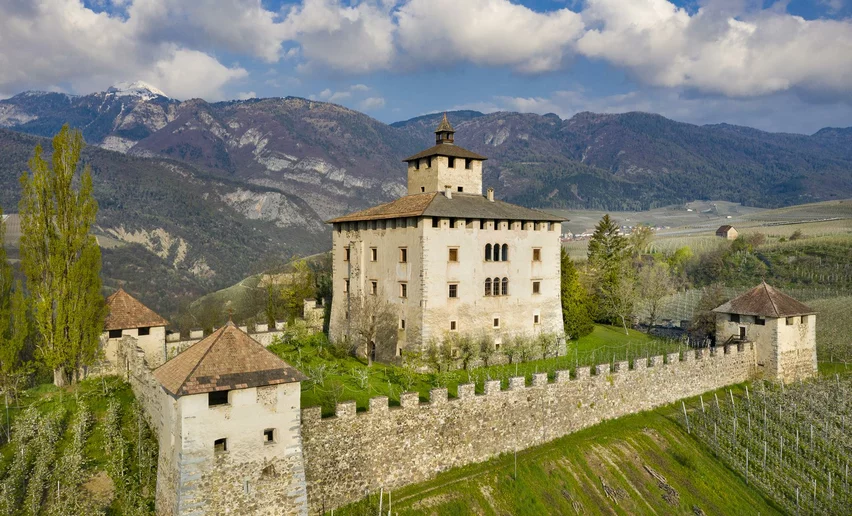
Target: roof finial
(231,316)
(444,132)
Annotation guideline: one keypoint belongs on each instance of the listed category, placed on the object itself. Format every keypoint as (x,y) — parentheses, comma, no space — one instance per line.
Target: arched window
(496,286)
(505,286)
(505,257)
(496,252)
(487,252)
(487,286)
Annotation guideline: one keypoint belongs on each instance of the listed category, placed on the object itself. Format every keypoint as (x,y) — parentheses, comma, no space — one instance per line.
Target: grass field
(639,464)
(334,380)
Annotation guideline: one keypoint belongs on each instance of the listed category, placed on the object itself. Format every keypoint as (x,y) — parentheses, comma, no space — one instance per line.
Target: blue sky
(778,66)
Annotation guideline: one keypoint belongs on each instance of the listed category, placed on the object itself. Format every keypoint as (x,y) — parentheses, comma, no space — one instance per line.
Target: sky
(777,66)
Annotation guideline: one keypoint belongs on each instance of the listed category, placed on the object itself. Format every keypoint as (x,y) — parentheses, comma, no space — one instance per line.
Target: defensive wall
(390,447)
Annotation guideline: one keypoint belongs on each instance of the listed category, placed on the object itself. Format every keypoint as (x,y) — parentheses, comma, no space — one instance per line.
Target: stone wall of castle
(390,447)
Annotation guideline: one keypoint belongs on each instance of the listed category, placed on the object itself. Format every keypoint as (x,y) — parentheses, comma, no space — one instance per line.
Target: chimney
(490,194)
(448,192)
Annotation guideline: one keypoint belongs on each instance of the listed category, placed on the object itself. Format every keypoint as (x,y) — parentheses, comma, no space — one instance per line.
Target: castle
(444,260)
(234,440)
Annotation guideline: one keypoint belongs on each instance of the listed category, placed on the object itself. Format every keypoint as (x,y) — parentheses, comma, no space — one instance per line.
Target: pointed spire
(444,132)
(230,317)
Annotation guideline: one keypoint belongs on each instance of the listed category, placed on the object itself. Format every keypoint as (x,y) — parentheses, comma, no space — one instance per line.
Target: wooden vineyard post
(685,417)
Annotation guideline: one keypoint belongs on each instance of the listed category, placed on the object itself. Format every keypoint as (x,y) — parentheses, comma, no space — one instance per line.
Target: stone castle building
(444,260)
(127,317)
(782,328)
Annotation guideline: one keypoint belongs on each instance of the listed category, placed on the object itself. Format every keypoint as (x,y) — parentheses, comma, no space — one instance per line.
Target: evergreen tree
(60,259)
(575,301)
(613,276)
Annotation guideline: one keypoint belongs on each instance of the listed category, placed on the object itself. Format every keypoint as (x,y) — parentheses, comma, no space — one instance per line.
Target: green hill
(639,464)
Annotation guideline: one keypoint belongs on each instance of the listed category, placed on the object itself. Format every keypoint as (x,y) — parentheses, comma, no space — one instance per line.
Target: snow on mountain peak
(136,89)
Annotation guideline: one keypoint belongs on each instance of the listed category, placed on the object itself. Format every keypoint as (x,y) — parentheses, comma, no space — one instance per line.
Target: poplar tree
(60,259)
(14,322)
(575,301)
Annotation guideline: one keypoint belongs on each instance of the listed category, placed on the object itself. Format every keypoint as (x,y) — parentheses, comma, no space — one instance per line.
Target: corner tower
(446,166)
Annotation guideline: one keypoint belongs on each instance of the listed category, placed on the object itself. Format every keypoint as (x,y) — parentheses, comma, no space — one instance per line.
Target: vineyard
(83,451)
(791,442)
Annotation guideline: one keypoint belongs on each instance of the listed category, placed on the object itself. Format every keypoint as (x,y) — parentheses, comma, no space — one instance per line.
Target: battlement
(392,446)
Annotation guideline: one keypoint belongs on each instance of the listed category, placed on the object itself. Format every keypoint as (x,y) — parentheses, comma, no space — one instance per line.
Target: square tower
(230,442)
(128,317)
(782,329)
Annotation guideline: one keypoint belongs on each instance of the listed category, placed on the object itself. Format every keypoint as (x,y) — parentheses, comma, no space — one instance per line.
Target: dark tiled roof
(446,149)
(444,126)
(227,359)
(126,312)
(725,228)
(765,301)
(461,205)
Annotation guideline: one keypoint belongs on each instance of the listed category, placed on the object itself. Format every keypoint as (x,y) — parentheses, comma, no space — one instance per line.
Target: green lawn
(342,379)
(639,464)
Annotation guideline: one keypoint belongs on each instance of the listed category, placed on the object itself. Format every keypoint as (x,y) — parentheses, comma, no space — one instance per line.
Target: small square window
(452,162)
(536,319)
(217,398)
(403,290)
(453,254)
(269,436)
(454,325)
(454,290)
(144,331)
(536,255)
(402,324)
(791,321)
(220,445)
(496,322)
(115,334)
(735,318)
(374,254)
(346,254)
(436,222)
(468,164)
(403,255)
(374,287)
(536,287)
(760,321)
(345,286)
(422,189)
(461,189)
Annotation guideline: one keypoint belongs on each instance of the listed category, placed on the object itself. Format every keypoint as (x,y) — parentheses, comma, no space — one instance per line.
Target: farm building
(727,231)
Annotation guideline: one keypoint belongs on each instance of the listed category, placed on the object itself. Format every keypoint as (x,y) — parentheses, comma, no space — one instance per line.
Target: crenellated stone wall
(391,447)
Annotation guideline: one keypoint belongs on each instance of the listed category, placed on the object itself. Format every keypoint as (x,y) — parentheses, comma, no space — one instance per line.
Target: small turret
(444,132)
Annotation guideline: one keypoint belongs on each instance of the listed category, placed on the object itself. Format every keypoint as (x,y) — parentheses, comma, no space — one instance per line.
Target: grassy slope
(567,476)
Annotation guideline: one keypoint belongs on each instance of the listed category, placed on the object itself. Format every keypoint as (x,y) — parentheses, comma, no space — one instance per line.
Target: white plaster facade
(251,472)
(785,347)
(434,174)
(153,344)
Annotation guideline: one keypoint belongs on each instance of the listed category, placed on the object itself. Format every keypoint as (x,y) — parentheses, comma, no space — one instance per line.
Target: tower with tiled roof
(782,329)
(128,317)
(444,261)
(231,439)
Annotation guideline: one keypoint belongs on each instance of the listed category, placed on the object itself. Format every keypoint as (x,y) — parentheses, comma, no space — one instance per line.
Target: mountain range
(196,195)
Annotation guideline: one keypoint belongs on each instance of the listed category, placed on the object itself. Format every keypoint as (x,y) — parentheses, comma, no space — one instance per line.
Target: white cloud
(488,32)
(371,104)
(355,39)
(245,95)
(721,48)
(339,96)
(50,42)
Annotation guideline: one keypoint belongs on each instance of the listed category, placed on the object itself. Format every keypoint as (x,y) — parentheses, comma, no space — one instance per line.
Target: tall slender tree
(575,301)
(609,263)
(60,259)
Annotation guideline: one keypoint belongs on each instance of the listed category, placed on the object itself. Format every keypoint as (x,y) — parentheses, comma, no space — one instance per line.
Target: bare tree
(468,349)
(655,283)
(373,326)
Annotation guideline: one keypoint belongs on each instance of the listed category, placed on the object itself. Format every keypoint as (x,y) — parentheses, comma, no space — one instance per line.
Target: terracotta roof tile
(126,312)
(446,149)
(227,359)
(461,205)
(765,301)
